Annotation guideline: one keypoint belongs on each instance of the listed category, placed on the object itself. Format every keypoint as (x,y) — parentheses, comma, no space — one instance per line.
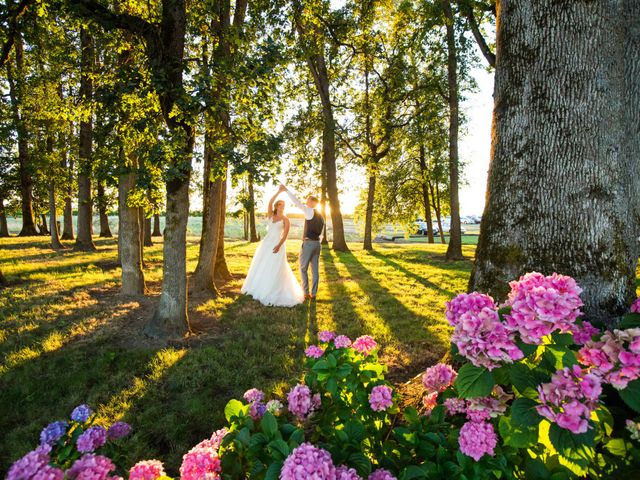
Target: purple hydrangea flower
(382,474)
(53,432)
(477,439)
(342,341)
(326,336)
(308,462)
(300,401)
(380,398)
(91,467)
(314,351)
(118,430)
(257,410)
(254,395)
(93,438)
(81,413)
(35,465)
(345,473)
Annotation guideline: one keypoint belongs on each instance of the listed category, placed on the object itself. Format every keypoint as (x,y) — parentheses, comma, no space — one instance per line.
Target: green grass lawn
(66,337)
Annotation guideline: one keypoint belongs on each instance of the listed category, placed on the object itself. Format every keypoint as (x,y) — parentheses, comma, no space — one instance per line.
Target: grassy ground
(66,337)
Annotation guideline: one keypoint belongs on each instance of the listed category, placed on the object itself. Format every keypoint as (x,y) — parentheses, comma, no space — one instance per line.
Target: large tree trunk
(85,207)
(454,250)
(67,166)
(368,218)
(222,273)
(44,230)
(562,191)
(105,230)
(253,234)
(435,197)
(53,218)
(156,225)
(425,194)
(4,228)
(16,93)
(129,236)
(323,205)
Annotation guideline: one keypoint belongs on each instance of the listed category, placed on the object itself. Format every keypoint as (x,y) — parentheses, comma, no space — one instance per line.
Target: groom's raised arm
(308,211)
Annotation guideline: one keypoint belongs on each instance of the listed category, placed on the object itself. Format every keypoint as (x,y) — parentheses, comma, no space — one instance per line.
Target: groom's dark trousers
(310,254)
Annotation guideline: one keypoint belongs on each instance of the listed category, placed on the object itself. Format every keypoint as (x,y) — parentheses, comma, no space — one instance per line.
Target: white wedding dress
(270,279)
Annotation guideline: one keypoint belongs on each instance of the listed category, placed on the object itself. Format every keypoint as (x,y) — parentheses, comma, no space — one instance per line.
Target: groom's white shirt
(308,211)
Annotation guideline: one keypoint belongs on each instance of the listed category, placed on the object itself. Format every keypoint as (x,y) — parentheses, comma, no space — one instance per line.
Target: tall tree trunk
(44,230)
(323,205)
(253,234)
(67,166)
(368,218)
(148,242)
(4,228)
(435,197)
(53,218)
(563,190)
(141,232)
(16,93)
(245,221)
(85,206)
(425,194)
(454,250)
(129,235)
(222,273)
(156,226)
(105,230)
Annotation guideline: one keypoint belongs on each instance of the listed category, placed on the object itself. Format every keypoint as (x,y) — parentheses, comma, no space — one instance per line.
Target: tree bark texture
(424,185)
(4,228)
(563,186)
(53,217)
(156,226)
(253,234)
(105,230)
(148,242)
(368,219)
(222,273)
(67,223)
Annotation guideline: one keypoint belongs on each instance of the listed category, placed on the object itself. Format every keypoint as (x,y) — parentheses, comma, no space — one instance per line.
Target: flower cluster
(341,341)
(255,397)
(542,305)
(381,474)
(314,351)
(91,439)
(483,339)
(635,306)
(634,429)
(147,470)
(380,398)
(274,406)
(570,398)
(35,464)
(465,303)
(439,377)
(364,344)
(615,358)
(92,467)
(301,403)
(477,439)
(429,401)
(53,432)
(118,430)
(326,336)
(202,461)
(81,413)
(308,462)
(481,408)
(582,333)
(345,473)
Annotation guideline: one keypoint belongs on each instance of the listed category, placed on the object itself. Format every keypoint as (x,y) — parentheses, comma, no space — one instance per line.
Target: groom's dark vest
(313,228)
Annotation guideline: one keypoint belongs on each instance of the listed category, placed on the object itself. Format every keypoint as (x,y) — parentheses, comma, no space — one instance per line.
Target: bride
(270,279)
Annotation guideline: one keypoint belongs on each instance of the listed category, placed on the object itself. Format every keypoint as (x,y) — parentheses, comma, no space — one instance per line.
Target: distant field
(234,229)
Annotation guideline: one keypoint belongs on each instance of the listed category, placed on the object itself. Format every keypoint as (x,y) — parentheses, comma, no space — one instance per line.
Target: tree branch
(482,43)
(13,17)
(92,10)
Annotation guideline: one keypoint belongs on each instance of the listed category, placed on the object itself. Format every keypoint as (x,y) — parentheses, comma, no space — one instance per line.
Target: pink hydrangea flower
(570,398)
(91,467)
(438,377)
(342,341)
(635,306)
(93,438)
(345,473)
(615,357)
(430,400)
(35,465)
(326,336)
(380,398)
(307,462)
(483,339)
(582,333)
(147,470)
(254,395)
(217,436)
(454,406)
(477,439)
(364,344)
(314,351)
(467,302)
(541,305)
(381,474)
(202,461)
(301,403)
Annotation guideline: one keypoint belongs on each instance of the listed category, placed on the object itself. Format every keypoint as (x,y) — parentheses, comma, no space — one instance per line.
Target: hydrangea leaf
(517,435)
(474,381)
(523,412)
(631,395)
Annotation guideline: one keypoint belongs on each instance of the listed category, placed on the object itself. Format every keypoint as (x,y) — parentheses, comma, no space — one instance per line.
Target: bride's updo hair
(275,207)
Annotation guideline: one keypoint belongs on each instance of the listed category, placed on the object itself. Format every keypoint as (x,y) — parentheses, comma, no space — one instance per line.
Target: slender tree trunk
(563,193)
(129,236)
(85,207)
(53,219)
(45,229)
(368,221)
(156,226)
(253,234)
(424,184)
(143,240)
(245,221)
(454,250)
(67,166)
(323,206)
(148,242)
(222,273)
(435,196)
(16,92)
(4,228)
(105,230)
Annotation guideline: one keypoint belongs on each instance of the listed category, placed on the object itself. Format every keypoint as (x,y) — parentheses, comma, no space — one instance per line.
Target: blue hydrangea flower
(81,413)
(53,432)
(118,430)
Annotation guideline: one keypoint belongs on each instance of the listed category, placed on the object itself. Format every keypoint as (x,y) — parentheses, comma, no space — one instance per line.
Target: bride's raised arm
(270,204)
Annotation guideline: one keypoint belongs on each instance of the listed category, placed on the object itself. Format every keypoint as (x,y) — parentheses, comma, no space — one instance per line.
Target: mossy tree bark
(84,239)
(563,185)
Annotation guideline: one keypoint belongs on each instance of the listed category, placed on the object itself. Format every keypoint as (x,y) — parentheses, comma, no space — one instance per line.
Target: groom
(310,252)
